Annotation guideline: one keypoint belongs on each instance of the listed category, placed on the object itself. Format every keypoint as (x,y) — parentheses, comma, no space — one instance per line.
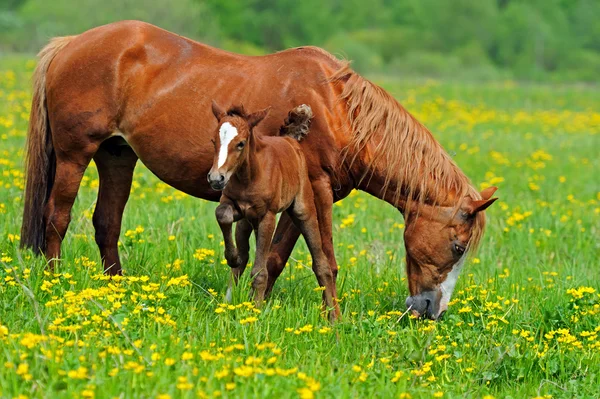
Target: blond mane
(400,148)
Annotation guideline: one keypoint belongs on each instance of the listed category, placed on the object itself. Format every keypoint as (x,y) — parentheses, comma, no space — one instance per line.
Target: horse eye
(241,145)
(459,250)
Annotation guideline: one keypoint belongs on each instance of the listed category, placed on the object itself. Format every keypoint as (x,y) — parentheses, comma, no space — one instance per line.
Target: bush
(240,47)
(425,63)
(581,65)
(40,20)
(364,59)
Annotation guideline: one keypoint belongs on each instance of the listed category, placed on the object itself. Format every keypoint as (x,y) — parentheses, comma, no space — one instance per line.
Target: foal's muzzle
(217,180)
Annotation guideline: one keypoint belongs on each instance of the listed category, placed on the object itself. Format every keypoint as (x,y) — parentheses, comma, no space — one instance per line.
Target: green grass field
(523,323)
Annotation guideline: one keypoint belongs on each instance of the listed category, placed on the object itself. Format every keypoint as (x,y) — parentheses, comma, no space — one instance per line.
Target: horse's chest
(253,210)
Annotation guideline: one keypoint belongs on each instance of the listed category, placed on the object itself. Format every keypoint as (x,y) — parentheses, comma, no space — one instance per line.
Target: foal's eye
(241,145)
(459,250)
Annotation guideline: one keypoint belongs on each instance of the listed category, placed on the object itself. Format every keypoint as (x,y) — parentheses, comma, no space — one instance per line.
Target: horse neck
(374,177)
(249,169)
(390,154)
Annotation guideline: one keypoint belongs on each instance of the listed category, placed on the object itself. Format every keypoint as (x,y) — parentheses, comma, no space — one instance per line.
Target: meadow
(523,323)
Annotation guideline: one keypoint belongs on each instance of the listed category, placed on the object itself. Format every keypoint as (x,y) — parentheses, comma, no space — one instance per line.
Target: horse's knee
(224,214)
(57,222)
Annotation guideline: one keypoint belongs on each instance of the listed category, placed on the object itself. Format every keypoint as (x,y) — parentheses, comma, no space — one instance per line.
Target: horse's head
(233,133)
(437,240)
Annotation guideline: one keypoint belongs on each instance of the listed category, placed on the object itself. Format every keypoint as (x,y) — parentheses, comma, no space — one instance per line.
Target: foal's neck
(249,169)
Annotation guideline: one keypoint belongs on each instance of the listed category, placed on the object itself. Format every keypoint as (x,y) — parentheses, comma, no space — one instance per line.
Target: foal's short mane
(414,164)
(237,110)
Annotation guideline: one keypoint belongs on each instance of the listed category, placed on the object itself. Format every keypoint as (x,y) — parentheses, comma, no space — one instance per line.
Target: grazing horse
(262,176)
(130,90)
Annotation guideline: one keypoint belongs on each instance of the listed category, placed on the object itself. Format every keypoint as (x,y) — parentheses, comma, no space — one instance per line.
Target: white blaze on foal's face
(226,133)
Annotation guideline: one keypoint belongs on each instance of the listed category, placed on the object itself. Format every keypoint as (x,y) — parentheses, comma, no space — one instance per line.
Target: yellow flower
(306,393)
(169,361)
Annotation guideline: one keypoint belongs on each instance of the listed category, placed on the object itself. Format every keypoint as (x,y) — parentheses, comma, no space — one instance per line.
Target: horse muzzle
(426,304)
(217,180)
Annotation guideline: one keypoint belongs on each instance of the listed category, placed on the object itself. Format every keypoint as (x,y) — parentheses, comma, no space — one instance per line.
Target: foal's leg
(57,215)
(243,230)
(264,236)
(226,215)
(284,240)
(115,168)
(305,216)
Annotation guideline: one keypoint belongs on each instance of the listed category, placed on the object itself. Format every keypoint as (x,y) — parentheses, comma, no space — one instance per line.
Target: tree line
(520,39)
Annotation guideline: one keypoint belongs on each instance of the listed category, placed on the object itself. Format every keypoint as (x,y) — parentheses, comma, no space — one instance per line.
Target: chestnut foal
(262,176)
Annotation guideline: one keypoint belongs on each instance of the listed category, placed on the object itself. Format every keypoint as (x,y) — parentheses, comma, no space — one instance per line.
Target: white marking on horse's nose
(447,286)
(226,133)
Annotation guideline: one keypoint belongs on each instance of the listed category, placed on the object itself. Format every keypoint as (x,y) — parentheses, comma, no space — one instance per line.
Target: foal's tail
(40,161)
(297,123)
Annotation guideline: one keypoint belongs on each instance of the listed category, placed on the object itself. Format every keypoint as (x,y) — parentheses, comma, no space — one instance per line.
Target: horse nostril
(221,178)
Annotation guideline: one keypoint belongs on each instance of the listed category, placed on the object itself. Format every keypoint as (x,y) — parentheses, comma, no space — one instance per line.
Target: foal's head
(437,240)
(233,134)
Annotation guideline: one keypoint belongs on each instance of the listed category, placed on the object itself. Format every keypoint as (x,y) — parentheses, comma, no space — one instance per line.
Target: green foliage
(39,20)
(523,39)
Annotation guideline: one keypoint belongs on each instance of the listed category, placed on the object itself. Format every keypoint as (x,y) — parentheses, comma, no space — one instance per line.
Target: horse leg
(115,168)
(243,230)
(57,214)
(304,214)
(323,200)
(284,241)
(264,236)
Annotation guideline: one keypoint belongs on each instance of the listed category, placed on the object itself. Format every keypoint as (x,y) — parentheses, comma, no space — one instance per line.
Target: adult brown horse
(130,90)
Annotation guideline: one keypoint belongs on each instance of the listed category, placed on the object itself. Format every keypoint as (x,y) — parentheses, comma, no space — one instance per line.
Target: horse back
(155,88)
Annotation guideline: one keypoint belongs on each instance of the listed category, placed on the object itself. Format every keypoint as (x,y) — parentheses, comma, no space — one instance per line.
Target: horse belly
(180,164)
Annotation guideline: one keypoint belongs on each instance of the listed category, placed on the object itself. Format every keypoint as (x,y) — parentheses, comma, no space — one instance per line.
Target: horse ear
(255,118)
(488,192)
(479,205)
(217,110)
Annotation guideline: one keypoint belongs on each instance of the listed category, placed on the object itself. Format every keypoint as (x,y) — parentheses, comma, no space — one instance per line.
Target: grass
(523,322)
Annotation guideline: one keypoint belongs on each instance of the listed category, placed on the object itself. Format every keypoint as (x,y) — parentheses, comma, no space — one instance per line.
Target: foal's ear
(217,110)
(255,118)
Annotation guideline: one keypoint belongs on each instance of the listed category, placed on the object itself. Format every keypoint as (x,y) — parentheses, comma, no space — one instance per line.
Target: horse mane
(404,151)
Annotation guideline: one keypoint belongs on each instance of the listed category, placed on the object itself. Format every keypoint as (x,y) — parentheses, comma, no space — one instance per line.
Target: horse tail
(297,123)
(40,160)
